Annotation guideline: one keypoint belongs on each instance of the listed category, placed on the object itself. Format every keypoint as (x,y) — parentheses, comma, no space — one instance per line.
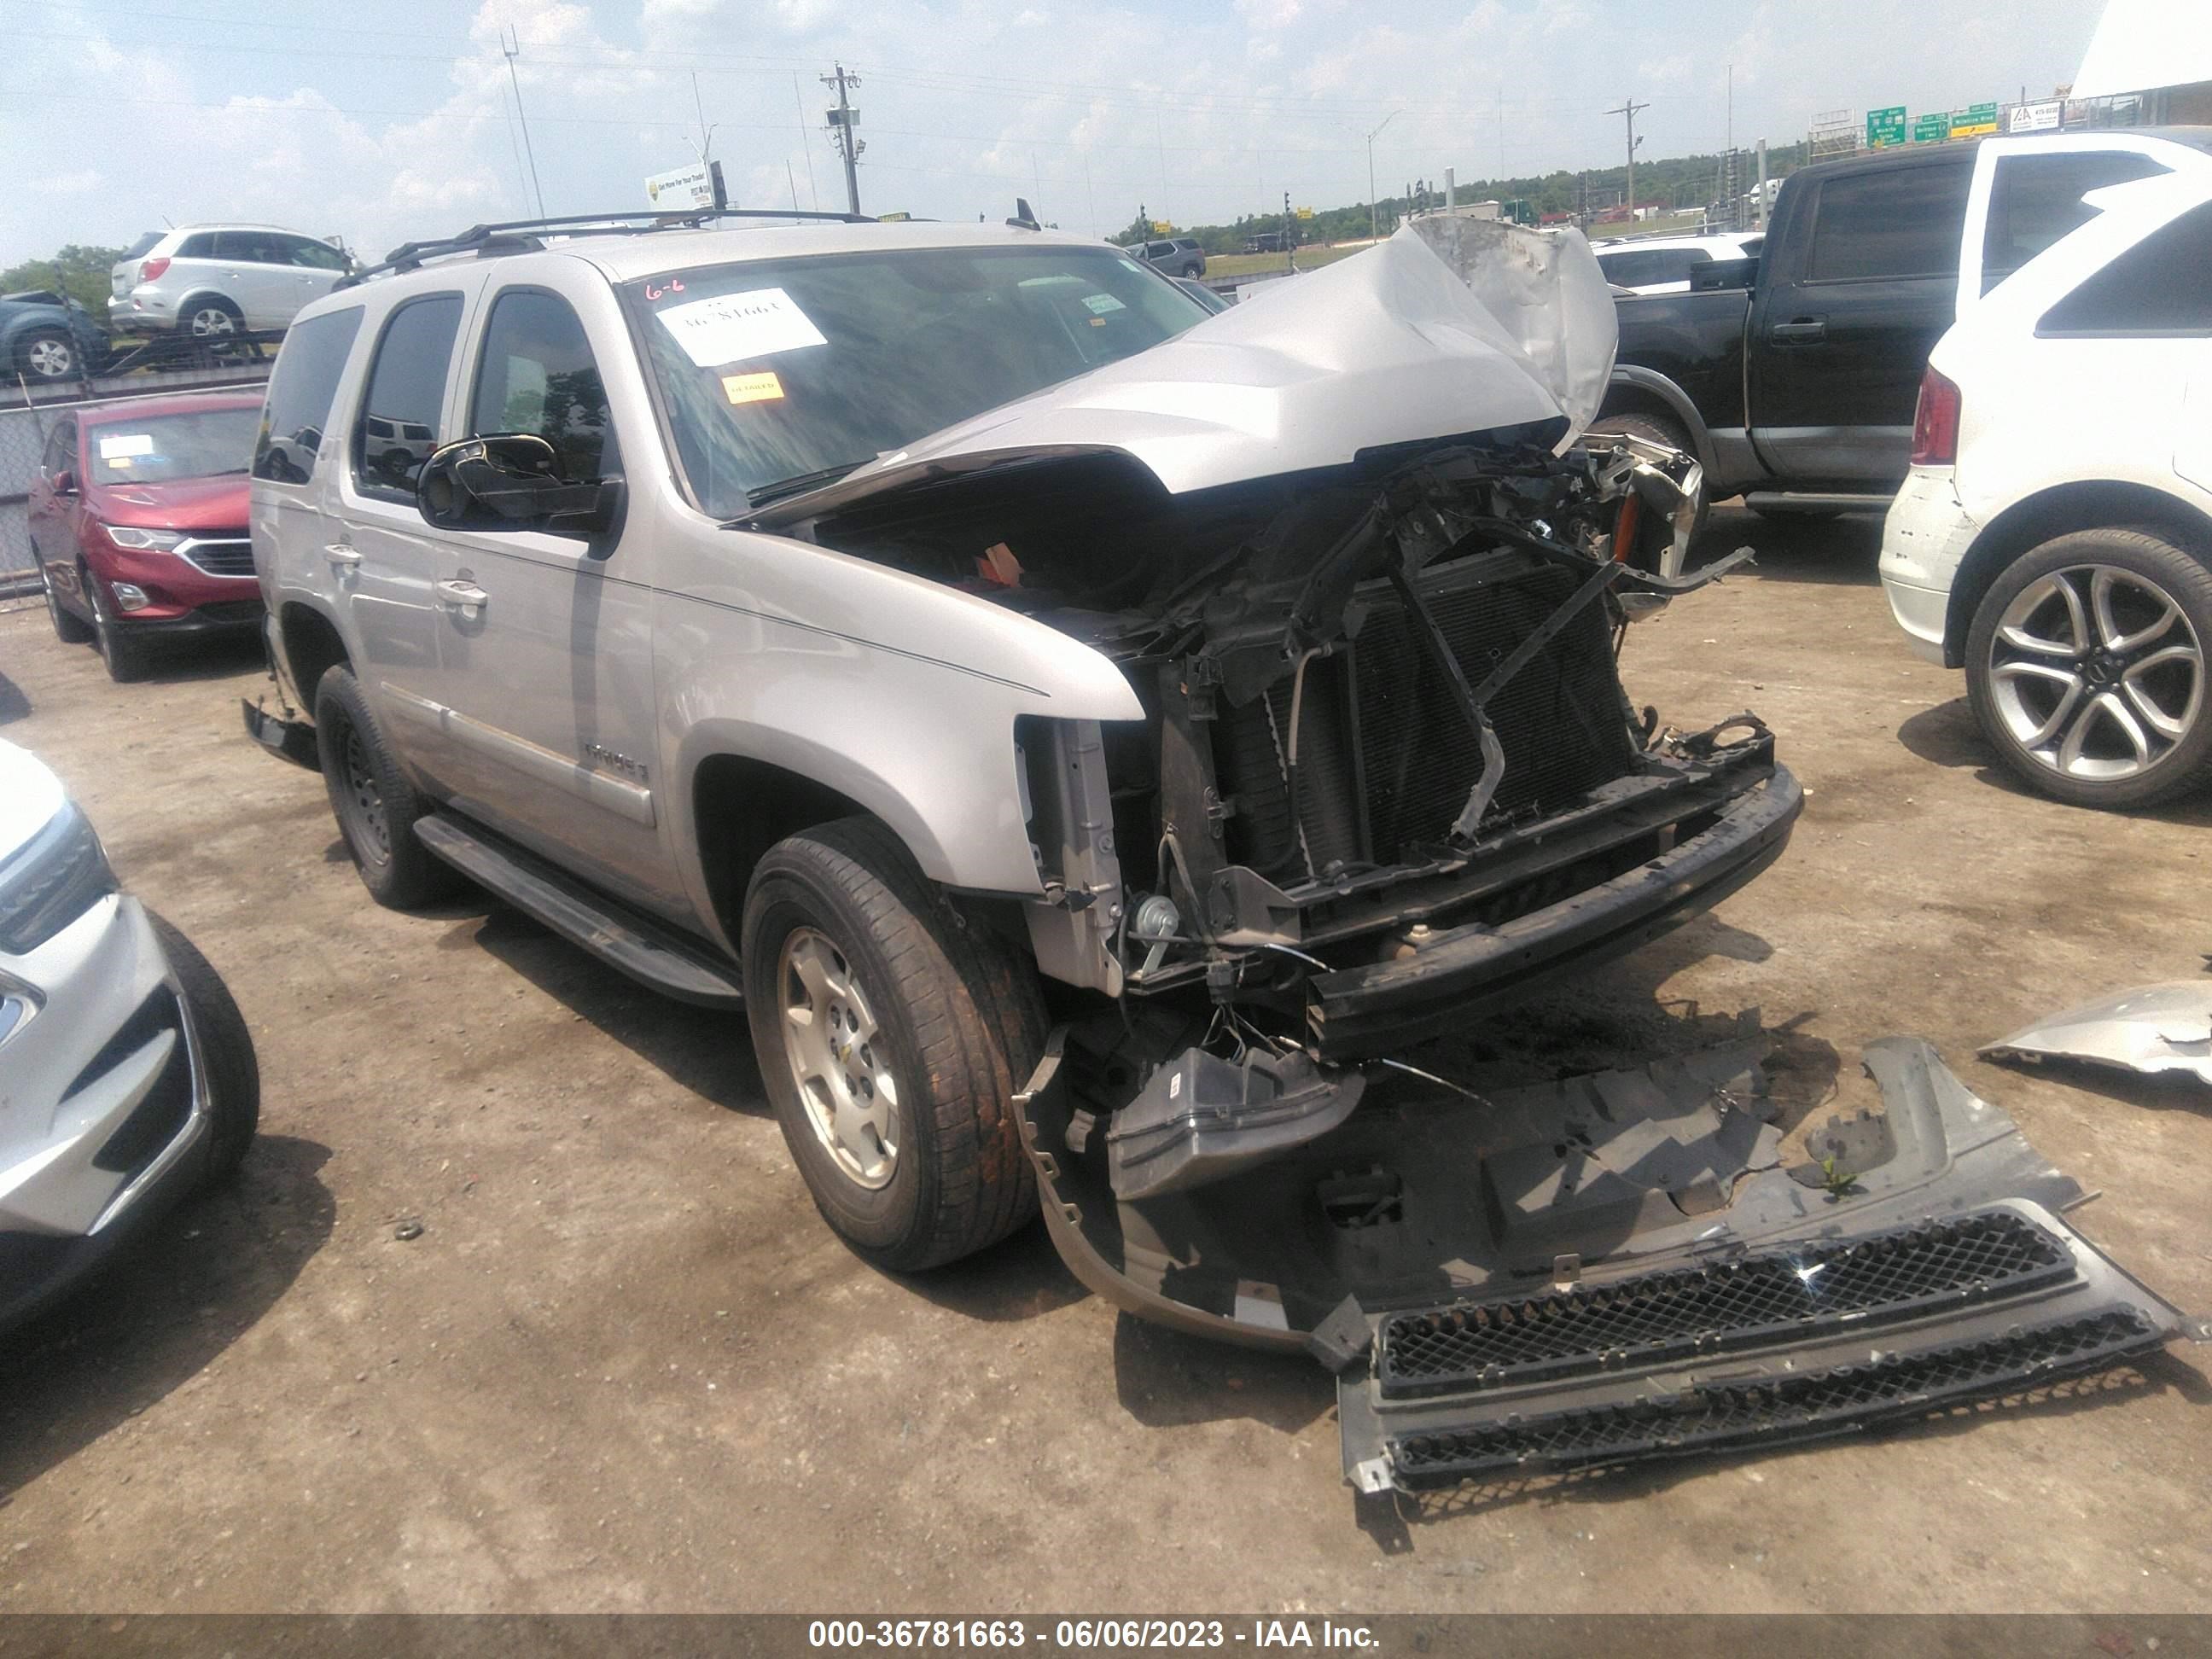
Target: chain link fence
(26,419)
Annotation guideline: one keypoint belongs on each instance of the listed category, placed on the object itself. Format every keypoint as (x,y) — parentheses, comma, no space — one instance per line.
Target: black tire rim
(2096,673)
(364,798)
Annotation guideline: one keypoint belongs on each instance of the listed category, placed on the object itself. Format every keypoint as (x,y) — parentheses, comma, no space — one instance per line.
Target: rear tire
(210,317)
(1659,430)
(225,1054)
(891,1033)
(2109,710)
(375,805)
(49,355)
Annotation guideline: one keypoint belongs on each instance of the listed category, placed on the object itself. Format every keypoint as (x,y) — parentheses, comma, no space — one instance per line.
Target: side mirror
(514,481)
(65,483)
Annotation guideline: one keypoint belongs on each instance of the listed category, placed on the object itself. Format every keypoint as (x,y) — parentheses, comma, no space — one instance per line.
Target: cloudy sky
(381,123)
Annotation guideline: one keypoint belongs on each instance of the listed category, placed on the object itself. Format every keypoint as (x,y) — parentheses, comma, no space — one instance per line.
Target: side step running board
(652,956)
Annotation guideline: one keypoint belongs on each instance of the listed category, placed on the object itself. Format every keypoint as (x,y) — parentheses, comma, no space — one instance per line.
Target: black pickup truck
(1792,376)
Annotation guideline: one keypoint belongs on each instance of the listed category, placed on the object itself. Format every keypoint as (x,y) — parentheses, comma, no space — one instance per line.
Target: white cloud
(353,125)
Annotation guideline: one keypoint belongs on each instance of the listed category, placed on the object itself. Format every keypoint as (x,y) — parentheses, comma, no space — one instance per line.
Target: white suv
(2054,537)
(214,280)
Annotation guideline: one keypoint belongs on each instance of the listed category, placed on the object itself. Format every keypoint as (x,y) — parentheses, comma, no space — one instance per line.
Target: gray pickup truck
(1092,739)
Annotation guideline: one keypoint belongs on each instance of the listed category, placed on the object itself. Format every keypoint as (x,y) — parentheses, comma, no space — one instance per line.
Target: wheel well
(2031,522)
(311,645)
(742,807)
(201,296)
(1626,398)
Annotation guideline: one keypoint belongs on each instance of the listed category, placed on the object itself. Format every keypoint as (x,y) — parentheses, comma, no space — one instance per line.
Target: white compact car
(208,280)
(2054,535)
(1663,264)
(127,1075)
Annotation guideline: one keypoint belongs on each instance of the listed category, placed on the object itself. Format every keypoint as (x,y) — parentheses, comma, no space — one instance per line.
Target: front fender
(897,692)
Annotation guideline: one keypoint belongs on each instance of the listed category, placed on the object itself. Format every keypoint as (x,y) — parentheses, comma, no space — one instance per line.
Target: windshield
(165,447)
(775,371)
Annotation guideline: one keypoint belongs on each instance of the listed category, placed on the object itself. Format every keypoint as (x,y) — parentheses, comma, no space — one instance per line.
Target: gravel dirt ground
(623,1367)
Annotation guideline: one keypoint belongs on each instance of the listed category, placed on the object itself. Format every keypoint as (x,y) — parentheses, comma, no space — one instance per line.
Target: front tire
(124,656)
(69,627)
(375,805)
(225,1054)
(2086,668)
(891,1033)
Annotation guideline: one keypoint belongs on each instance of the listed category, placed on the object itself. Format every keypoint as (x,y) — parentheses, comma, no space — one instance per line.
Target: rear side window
(539,376)
(2156,287)
(1905,222)
(1645,266)
(253,247)
(144,245)
(198,246)
(398,424)
(314,255)
(300,393)
(2036,199)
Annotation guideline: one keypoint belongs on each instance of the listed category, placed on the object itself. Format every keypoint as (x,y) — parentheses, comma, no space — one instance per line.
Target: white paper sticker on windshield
(126,445)
(1100,304)
(732,328)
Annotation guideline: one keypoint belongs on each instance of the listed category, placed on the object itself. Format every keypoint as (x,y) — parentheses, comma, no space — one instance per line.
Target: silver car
(127,1075)
(1093,742)
(209,281)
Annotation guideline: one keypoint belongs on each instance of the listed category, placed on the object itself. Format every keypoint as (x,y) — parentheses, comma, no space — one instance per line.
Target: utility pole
(706,132)
(1631,108)
(1374,232)
(842,119)
(1290,236)
(511,43)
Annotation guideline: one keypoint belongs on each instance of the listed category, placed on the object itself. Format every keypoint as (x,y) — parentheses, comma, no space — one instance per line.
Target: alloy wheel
(834,1047)
(209,321)
(51,359)
(2096,672)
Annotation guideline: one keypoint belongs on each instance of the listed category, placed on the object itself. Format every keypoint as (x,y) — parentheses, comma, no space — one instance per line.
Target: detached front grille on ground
(1786,1297)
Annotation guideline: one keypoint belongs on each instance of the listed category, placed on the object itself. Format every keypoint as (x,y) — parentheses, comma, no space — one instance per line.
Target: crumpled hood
(1387,347)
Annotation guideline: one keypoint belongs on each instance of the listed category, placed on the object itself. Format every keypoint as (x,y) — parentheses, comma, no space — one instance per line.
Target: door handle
(1799,330)
(463,596)
(343,556)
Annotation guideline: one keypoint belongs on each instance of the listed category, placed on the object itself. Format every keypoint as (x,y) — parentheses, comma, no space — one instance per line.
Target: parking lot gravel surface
(520,1305)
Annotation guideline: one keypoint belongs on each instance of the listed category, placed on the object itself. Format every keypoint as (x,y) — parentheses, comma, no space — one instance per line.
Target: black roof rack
(519,235)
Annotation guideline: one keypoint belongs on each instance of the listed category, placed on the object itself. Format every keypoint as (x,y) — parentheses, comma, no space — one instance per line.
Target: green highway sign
(1973,121)
(1885,127)
(1932,129)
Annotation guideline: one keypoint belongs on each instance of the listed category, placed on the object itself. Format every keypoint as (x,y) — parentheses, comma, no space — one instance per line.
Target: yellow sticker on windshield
(751,388)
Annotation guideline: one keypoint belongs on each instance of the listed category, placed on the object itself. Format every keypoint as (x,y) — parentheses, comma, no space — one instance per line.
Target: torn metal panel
(2153,1030)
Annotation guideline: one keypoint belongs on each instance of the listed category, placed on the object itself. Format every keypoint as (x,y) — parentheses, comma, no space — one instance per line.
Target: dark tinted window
(2036,199)
(299,393)
(145,244)
(1638,267)
(538,375)
(398,424)
(200,246)
(1901,222)
(314,255)
(2157,287)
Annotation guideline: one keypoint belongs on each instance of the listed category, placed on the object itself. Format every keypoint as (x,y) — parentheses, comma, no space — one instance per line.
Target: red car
(138,523)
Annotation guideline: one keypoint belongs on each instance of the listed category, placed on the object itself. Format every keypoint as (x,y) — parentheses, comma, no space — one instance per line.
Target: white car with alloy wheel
(2054,539)
(210,281)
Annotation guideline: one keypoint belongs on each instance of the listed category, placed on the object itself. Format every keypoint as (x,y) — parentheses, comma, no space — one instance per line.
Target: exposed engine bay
(1388,782)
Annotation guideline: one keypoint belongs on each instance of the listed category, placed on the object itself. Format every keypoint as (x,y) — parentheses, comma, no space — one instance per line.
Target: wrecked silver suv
(1094,741)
